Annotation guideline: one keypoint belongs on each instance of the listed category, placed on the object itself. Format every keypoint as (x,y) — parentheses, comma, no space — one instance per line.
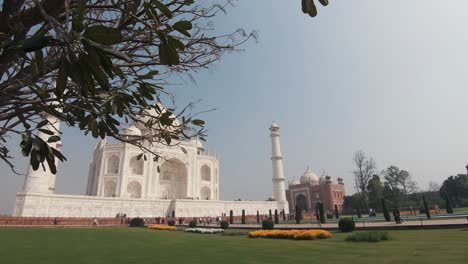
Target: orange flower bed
(291,234)
(162,227)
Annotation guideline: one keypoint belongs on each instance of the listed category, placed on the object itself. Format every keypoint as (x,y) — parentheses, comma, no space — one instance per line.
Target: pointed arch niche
(173,179)
(205,173)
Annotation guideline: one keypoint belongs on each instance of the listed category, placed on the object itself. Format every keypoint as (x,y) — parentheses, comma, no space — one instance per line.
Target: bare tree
(407,184)
(433,186)
(363,173)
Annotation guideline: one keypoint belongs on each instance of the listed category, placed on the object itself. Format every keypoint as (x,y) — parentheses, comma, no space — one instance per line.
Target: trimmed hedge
(346,224)
(171,223)
(137,222)
(268,224)
(224,224)
(193,223)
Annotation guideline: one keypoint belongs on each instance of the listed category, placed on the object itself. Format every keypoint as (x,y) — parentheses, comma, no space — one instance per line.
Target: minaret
(279,192)
(43,181)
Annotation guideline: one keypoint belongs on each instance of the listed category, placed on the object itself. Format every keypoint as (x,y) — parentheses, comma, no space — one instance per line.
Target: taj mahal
(182,183)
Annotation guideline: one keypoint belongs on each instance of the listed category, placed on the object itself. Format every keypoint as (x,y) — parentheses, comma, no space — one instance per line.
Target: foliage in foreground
(100,65)
(346,224)
(368,236)
(291,234)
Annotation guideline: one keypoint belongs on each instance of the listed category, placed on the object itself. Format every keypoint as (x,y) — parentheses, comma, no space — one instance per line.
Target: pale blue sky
(387,77)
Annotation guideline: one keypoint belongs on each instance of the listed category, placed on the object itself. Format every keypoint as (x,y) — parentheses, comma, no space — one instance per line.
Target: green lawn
(135,245)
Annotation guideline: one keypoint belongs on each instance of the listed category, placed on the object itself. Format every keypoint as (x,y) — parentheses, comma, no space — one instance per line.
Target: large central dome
(309,177)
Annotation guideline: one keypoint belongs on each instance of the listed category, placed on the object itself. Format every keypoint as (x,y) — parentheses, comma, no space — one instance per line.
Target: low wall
(53,221)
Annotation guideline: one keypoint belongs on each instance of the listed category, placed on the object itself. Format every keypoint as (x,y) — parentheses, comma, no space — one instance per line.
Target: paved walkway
(424,223)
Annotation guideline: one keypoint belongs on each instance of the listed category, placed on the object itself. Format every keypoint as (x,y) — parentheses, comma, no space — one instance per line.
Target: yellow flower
(291,234)
(162,227)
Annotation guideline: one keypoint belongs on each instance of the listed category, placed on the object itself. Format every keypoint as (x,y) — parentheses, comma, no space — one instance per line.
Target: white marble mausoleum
(186,184)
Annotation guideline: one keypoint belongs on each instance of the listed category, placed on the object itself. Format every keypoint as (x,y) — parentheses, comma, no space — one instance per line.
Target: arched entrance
(301,202)
(173,179)
(205,193)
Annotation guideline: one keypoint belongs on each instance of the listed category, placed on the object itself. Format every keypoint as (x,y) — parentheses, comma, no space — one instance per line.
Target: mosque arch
(205,193)
(301,202)
(134,189)
(205,173)
(110,187)
(173,179)
(136,165)
(113,164)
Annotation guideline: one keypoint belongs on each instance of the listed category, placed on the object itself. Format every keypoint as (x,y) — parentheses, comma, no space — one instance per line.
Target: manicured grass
(137,245)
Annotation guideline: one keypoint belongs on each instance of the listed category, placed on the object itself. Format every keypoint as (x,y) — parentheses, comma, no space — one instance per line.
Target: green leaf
(39,61)
(163,8)
(103,35)
(149,75)
(53,139)
(46,131)
(110,51)
(168,55)
(139,156)
(198,122)
(61,81)
(177,44)
(183,26)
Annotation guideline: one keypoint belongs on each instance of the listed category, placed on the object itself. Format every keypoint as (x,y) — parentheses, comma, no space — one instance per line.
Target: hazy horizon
(385,77)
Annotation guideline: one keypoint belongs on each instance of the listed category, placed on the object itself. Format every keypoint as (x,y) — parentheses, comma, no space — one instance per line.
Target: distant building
(311,189)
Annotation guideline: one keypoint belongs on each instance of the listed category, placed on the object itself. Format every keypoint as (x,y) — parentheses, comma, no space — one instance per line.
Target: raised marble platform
(59,205)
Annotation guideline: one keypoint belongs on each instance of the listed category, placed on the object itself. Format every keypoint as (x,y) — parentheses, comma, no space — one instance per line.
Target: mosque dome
(147,116)
(131,131)
(323,179)
(309,177)
(274,125)
(294,182)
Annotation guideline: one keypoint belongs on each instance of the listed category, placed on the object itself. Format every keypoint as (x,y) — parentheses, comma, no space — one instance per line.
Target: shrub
(448,205)
(346,224)
(385,211)
(137,222)
(224,224)
(268,224)
(336,212)
(193,223)
(322,214)
(368,236)
(171,223)
(243,217)
(298,215)
(426,208)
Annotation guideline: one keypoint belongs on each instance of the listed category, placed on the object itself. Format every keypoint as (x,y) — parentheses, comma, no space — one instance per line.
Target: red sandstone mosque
(311,189)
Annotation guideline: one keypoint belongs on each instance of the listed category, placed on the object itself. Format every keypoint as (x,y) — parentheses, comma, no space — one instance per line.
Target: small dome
(274,125)
(197,143)
(309,177)
(294,182)
(131,131)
